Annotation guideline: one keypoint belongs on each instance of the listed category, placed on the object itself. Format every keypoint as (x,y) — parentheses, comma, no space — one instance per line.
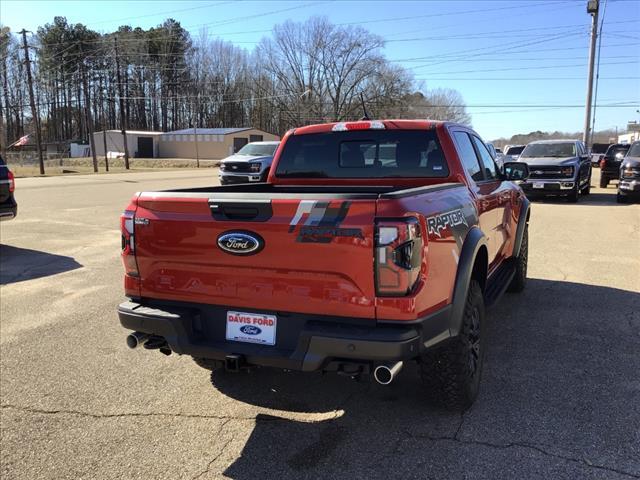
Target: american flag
(21,141)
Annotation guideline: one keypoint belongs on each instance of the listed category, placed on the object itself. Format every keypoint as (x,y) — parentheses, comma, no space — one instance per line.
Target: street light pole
(592,9)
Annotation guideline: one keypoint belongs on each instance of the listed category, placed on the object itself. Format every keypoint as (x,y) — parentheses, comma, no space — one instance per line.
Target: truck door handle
(241,210)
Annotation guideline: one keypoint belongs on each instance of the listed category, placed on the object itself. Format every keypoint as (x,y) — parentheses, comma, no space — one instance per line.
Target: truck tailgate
(316,253)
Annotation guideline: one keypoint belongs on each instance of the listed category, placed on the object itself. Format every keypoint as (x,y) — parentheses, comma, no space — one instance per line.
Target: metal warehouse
(140,144)
(209,143)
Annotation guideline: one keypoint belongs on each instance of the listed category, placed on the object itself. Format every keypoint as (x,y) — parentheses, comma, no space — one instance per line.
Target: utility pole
(104,140)
(592,9)
(123,125)
(87,113)
(34,111)
(195,130)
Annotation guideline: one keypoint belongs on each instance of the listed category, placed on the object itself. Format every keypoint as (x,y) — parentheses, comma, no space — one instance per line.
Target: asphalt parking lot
(560,395)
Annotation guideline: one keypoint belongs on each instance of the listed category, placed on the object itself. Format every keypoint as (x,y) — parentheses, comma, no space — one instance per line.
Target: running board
(498,282)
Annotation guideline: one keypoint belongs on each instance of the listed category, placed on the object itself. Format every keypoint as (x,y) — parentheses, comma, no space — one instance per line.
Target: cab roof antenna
(364,108)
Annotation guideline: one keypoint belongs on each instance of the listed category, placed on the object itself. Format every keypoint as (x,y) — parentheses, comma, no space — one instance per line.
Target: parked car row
(563,167)
(610,163)
(629,185)
(8,205)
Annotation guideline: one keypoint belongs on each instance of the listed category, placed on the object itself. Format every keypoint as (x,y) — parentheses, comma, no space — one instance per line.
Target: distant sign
(633,127)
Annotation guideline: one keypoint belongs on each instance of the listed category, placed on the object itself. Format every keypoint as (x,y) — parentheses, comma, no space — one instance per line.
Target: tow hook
(233,363)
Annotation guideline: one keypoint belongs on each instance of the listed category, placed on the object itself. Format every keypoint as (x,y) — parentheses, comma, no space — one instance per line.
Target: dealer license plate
(538,184)
(251,328)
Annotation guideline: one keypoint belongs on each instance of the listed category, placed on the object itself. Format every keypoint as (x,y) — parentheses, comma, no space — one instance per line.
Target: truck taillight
(127,221)
(12,182)
(603,163)
(398,256)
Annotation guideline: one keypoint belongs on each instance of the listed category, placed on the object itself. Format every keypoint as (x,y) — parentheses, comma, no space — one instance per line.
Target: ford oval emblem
(240,242)
(250,330)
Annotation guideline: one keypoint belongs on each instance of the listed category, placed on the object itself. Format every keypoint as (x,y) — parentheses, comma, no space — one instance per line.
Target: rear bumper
(234,178)
(629,187)
(548,186)
(8,210)
(612,172)
(304,342)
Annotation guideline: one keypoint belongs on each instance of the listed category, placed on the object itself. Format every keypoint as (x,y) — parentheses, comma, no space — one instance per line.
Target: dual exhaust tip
(136,339)
(385,373)
(150,342)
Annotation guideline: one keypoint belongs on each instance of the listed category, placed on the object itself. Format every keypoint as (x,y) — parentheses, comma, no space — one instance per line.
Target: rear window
(514,150)
(615,150)
(599,147)
(634,151)
(558,150)
(258,149)
(363,154)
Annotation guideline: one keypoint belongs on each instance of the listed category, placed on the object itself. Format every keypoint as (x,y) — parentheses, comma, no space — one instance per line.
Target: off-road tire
(520,277)
(208,363)
(604,181)
(451,373)
(574,194)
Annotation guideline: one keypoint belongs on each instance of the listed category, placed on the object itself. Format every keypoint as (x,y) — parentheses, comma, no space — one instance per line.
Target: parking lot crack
(537,448)
(40,411)
(455,435)
(215,458)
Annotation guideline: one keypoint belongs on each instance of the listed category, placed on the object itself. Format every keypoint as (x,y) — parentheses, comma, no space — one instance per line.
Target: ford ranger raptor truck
(372,244)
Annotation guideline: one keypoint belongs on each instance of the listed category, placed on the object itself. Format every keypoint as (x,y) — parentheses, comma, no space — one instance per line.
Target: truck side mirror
(515,171)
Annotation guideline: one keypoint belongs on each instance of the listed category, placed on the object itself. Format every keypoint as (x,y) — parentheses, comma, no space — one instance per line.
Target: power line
(519,79)
(361,22)
(159,13)
(543,67)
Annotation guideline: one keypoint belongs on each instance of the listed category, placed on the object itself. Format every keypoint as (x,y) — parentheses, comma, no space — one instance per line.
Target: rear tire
(604,181)
(451,373)
(520,277)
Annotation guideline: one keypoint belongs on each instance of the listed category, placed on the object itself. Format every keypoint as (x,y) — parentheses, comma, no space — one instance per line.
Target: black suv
(8,205)
(610,164)
(629,185)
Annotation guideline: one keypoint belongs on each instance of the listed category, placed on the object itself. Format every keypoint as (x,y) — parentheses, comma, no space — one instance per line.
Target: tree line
(602,136)
(163,78)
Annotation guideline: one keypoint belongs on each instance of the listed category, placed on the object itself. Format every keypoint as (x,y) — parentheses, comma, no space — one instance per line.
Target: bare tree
(438,104)
(302,73)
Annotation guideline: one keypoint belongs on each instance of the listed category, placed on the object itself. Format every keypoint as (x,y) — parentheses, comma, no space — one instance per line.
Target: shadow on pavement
(20,264)
(558,398)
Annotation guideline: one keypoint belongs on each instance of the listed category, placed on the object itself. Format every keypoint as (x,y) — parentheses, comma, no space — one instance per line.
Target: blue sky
(505,57)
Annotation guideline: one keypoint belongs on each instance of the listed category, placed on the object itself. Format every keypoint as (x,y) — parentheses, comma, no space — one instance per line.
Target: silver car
(250,164)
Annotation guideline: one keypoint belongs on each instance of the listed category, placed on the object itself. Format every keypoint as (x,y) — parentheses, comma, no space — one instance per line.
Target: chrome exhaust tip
(135,339)
(384,374)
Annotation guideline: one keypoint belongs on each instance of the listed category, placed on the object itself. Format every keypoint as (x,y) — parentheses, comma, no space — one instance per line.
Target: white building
(140,144)
(629,137)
